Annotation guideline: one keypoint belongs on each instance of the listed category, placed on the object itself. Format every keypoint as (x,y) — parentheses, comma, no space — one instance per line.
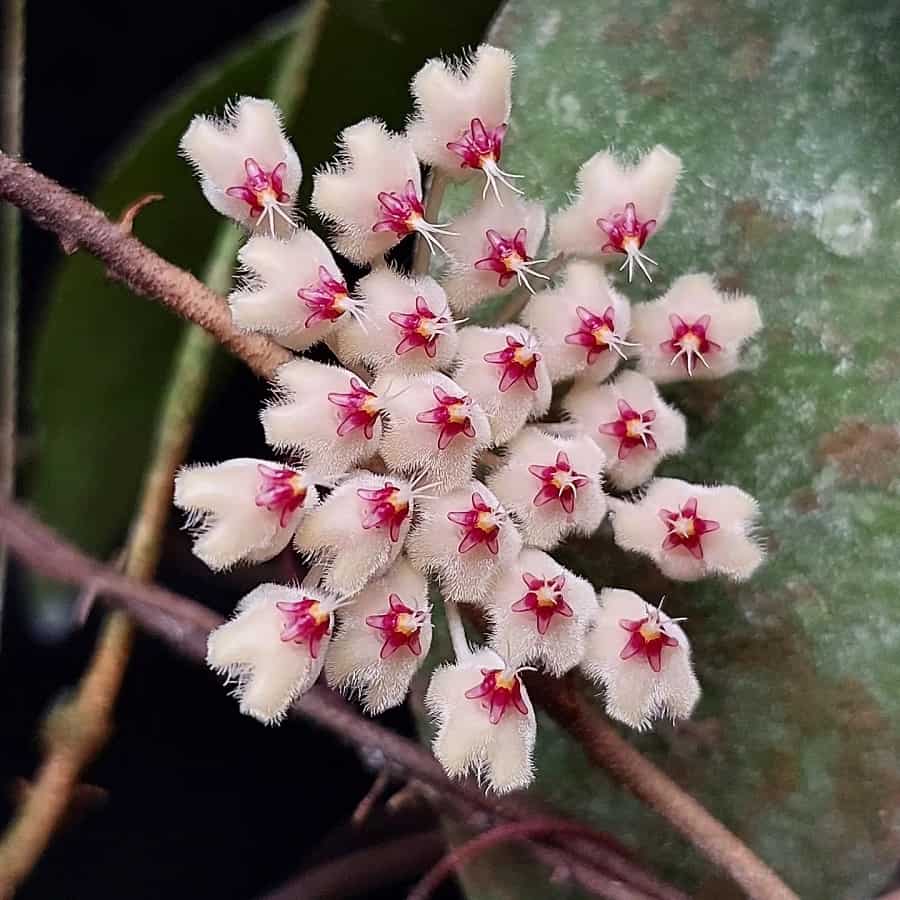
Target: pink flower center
(479,146)
(480,524)
(648,636)
(400,627)
(260,189)
(625,232)
(359,409)
(387,509)
(498,690)
(327,298)
(419,329)
(686,528)
(559,482)
(633,429)
(400,213)
(519,361)
(689,342)
(508,256)
(280,490)
(452,414)
(597,334)
(545,599)
(306,621)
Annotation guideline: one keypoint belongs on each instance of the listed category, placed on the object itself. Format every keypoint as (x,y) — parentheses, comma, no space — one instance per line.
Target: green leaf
(786,117)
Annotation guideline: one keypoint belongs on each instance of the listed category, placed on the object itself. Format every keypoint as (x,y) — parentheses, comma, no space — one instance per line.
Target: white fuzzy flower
(552,485)
(248,169)
(273,647)
(432,427)
(690,530)
(359,530)
(503,370)
(382,638)
(325,413)
(540,612)
(465,540)
(373,194)
(407,327)
(462,114)
(242,510)
(633,425)
(294,290)
(642,659)
(693,330)
(493,251)
(582,325)
(617,208)
(485,721)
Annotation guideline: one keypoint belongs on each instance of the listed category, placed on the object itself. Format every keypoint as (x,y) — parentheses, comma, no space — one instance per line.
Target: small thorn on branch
(129,214)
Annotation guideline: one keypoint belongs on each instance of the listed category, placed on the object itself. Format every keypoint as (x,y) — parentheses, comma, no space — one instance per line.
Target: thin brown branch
(76,221)
(360,873)
(604,746)
(459,856)
(185,625)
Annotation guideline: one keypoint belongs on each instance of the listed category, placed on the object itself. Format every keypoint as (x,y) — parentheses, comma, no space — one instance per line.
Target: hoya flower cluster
(423,457)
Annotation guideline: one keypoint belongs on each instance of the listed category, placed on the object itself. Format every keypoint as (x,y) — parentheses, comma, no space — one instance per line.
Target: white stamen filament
(524,269)
(492,174)
(634,255)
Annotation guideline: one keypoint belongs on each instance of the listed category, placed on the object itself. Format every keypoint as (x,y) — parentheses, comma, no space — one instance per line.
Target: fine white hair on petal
(732,320)
(604,187)
(467,286)
(449,96)
(508,410)
(228,524)
(630,462)
(501,754)
(731,549)
(268,672)
(433,545)
(342,532)
(355,662)
(406,319)
(370,160)
(516,632)
(519,486)
(635,693)
(444,451)
(219,148)
(275,270)
(301,418)
(557,317)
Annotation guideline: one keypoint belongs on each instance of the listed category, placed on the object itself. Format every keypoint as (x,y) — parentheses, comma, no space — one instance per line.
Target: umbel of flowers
(423,455)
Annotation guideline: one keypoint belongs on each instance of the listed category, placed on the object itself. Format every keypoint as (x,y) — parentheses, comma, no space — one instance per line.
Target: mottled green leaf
(787,119)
